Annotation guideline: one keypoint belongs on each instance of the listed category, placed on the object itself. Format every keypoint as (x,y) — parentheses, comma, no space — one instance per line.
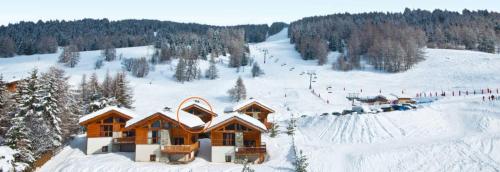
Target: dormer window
(108,120)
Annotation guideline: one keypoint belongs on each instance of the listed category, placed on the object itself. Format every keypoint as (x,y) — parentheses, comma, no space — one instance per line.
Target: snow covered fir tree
(238,92)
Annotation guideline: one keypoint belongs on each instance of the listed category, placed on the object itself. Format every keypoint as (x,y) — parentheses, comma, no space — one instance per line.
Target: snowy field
(451,134)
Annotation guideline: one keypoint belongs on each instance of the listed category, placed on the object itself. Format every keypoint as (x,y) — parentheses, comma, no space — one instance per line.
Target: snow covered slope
(452,134)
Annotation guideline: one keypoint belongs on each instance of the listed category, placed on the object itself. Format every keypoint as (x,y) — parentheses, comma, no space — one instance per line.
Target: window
(104,149)
(121,120)
(230,127)
(249,143)
(108,120)
(228,158)
(156,124)
(106,131)
(155,137)
(236,127)
(253,109)
(128,134)
(152,157)
(178,141)
(228,139)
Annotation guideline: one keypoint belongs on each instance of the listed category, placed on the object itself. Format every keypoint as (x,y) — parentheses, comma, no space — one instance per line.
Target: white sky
(216,12)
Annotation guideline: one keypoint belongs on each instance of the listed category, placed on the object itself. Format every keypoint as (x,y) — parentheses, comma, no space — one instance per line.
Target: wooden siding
(216,134)
(262,114)
(176,131)
(94,126)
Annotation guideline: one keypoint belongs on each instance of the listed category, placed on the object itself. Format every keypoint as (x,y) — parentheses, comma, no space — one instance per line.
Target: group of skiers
(466,93)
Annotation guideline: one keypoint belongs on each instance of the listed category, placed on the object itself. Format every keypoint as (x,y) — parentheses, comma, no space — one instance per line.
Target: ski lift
(313,81)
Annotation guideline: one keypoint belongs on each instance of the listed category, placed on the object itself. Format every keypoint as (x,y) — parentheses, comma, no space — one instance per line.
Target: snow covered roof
(185,118)
(198,104)
(221,119)
(401,95)
(123,111)
(249,102)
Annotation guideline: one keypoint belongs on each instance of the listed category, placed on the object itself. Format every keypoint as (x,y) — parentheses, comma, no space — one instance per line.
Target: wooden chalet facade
(255,109)
(106,131)
(237,137)
(159,137)
(165,137)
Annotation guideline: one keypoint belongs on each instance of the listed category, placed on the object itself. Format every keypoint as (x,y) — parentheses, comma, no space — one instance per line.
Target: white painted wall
(143,151)
(219,153)
(95,144)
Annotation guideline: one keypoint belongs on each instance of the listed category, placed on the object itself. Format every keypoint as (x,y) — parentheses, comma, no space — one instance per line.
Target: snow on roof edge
(185,118)
(124,111)
(225,117)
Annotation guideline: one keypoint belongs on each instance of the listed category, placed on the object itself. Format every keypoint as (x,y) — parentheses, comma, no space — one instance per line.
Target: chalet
(236,137)
(404,99)
(106,130)
(376,100)
(161,138)
(255,109)
(199,109)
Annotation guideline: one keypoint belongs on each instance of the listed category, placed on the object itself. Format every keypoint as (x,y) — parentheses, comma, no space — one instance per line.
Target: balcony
(172,149)
(124,140)
(251,150)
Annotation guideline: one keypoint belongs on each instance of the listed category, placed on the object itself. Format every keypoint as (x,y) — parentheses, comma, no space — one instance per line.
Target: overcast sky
(216,12)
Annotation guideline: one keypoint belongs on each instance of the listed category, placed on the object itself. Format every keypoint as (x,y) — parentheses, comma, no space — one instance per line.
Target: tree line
(26,38)
(393,42)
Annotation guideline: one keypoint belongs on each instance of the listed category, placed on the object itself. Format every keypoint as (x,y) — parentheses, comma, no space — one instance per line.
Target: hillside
(451,134)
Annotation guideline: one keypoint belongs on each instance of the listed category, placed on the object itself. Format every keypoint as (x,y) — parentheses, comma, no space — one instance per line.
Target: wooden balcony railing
(250,150)
(124,140)
(181,148)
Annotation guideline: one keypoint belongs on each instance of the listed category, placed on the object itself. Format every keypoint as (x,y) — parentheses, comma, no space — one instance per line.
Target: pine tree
(212,72)
(180,70)
(5,109)
(238,92)
(95,99)
(51,108)
(256,71)
(70,56)
(19,137)
(301,162)
(65,102)
(274,130)
(290,129)
(107,86)
(123,92)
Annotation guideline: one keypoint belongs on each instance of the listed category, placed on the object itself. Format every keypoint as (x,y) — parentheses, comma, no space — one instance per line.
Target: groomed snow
(235,115)
(124,111)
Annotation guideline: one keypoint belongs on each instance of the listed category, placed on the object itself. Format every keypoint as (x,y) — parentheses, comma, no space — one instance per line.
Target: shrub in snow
(300,162)
(109,54)
(98,64)
(256,71)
